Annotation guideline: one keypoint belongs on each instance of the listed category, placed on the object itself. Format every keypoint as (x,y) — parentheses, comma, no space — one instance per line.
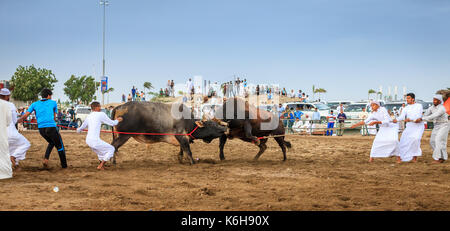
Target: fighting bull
(167,123)
(251,124)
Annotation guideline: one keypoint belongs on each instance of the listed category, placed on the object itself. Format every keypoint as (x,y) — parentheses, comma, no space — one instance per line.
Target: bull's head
(209,130)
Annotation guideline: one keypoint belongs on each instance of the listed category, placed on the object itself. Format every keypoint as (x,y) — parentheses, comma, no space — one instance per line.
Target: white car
(353,111)
(309,109)
(81,112)
(334,104)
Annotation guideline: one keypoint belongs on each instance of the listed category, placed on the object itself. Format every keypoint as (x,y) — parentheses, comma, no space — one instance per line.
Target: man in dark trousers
(341,117)
(46,110)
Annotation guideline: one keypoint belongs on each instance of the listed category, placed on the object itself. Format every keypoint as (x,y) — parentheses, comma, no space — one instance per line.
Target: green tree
(29,81)
(73,88)
(89,87)
(81,88)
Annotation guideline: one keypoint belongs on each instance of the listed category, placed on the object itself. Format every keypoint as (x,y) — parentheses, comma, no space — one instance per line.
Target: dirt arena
(322,173)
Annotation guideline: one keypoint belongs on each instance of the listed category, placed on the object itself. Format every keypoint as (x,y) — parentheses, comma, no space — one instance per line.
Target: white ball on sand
(56,189)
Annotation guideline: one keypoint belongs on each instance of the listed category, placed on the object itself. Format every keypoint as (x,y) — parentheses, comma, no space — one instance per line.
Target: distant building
(6,84)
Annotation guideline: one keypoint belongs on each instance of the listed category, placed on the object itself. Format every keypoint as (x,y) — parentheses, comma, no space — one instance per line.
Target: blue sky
(344,46)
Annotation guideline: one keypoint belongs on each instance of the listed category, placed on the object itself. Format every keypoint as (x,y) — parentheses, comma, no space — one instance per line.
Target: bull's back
(145,117)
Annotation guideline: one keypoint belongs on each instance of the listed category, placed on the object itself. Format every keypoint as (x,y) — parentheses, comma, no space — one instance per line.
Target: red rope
(135,133)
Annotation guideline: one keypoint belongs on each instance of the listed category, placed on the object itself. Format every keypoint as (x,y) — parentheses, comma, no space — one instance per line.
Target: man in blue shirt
(298,114)
(133,93)
(45,111)
(291,121)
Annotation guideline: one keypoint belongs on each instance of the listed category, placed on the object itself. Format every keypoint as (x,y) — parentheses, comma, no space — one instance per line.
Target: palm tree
(314,91)
(320,90)
(108,91)
(371,91)
(148,85)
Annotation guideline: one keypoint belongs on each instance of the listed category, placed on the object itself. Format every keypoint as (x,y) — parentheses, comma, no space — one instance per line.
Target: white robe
(18,144)
(5,161)
(439,135)
(94,122)
(386,141)
(409,146)
(297,126)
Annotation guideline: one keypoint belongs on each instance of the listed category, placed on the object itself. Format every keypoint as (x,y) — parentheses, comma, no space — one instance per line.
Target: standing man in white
(5,161)
(438,141)
(386,140)
(94,122)
(18,144)
(409,147)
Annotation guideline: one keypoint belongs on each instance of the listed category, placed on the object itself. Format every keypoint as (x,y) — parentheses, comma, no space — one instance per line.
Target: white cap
(438,97)
(5,91)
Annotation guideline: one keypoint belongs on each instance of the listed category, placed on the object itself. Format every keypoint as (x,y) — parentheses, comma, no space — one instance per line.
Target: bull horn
(223,123)
(199,124)
(220,122)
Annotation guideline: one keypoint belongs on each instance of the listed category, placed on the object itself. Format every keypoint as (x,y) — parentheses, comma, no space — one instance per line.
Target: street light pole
(104,3)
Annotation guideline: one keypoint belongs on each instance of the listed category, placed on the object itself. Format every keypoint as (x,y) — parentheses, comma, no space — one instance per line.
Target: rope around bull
(133,133)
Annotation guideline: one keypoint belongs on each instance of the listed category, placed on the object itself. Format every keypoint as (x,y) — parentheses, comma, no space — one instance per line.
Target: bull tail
(288,144)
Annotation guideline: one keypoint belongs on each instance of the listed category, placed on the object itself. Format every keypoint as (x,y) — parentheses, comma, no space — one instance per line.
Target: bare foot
(101,166)
(370,160)
(13,160)
(399,160)
(45,163)
(436,162)
(414,160)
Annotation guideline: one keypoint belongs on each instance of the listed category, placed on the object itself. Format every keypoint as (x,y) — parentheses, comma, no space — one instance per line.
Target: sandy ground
(322,173)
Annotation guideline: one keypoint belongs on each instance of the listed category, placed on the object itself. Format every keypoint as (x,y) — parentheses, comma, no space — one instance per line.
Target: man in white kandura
(438,141)
(94,122)
(5,161)
(386,140)
(409,147)
(18,144)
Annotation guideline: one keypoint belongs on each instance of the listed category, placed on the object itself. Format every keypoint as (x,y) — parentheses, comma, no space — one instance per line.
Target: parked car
(268,107)
(353,111)
(334,104)
(309,109)
(81,112)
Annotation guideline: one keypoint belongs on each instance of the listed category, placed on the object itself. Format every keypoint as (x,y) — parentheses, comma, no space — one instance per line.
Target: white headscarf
(439,97)
(376,102)
(5,91)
